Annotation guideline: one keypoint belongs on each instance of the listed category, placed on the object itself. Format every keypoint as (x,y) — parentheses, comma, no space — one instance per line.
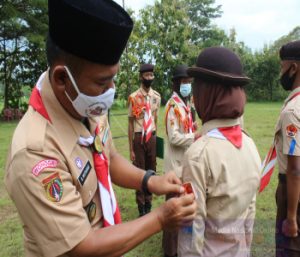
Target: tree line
(167,33)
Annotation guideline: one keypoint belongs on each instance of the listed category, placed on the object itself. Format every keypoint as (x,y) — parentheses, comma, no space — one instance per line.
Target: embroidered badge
(37,169)
(84,173)
(78,162)
(53,187)
(91,211)
(291,130)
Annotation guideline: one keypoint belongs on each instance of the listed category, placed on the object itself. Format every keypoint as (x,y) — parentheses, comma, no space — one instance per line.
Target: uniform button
(90,193)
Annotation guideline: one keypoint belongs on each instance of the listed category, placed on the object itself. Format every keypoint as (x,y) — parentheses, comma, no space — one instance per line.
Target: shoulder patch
(38,168)
(291,130)
(53,187)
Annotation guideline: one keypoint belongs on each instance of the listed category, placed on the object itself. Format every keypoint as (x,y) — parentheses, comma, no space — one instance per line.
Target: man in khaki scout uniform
(287,138)
(223,165)
(62,160)
(143,112)
(180,130)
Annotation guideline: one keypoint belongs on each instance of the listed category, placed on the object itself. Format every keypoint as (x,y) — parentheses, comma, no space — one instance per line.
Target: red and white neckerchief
(36,101)
(147,122)
(233,134)
(187,109)
(110,209)
(270,160)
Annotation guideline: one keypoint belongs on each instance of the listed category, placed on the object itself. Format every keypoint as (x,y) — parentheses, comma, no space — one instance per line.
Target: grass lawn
(260,119)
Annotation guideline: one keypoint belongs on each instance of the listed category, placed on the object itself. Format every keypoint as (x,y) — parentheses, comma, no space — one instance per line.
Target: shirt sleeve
(290,134)
(174,135)
(48,203)
(130,101)
(195,170)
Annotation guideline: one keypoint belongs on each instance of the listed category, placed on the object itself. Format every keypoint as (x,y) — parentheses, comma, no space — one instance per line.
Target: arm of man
(124,174)
(290,227)
(174,135)
(291,147)
(119,239)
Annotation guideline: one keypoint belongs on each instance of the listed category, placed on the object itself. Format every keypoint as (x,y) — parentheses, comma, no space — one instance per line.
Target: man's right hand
(132,156)
(177,212)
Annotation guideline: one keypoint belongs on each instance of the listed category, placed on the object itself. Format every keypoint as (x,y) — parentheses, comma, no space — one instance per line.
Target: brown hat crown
(219,64)
(180,72)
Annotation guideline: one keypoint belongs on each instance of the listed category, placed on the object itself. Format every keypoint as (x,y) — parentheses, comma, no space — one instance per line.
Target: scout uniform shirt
(287,131)
(51,177)
(136,109)
(225,171)
(179,135)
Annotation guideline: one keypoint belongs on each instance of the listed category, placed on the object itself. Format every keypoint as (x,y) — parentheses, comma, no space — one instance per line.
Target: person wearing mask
(180,130)
(143,110)
(287,138)
(62,161)
(223,165)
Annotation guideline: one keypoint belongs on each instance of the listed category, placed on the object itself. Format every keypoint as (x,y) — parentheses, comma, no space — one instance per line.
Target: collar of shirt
(218,123)
(144,93)
(68,128)
(295,91)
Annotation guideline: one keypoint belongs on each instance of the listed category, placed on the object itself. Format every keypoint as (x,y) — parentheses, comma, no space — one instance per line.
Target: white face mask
(185,89)
(91,106)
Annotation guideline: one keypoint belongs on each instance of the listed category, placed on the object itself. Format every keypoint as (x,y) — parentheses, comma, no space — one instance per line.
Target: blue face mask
(185,89)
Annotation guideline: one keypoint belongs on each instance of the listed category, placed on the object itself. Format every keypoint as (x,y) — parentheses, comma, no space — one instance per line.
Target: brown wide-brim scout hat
(219,64)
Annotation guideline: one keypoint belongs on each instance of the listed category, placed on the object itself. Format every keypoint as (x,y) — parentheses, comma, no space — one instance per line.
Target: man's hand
(169,183)
(132,156)
(177,212)
(290,228)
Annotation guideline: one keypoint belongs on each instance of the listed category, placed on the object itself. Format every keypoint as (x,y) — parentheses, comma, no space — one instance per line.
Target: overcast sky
(257,22)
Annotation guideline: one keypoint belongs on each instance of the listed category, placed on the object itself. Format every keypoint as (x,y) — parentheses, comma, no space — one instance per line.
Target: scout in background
(62,161)
(143,110)
(223,164)
(287,140)
(180,130)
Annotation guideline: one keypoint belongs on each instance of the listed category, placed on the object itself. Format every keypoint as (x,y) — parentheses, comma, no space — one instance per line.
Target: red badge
(189,189)
(291,130)
(37,169)
(53,187)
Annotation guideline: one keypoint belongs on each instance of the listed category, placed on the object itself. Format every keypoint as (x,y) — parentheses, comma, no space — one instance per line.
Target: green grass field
(260,119)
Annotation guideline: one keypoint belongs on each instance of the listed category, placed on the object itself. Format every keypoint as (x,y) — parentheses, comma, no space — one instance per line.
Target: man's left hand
(290,228)
(168,183)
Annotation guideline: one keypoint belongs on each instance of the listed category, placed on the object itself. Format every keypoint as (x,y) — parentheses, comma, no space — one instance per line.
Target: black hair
(55,53)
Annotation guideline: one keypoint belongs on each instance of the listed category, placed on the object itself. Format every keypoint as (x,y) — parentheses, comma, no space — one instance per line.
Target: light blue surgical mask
(185,89)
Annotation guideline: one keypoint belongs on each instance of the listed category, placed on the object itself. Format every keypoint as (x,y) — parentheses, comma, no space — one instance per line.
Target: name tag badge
(84,173)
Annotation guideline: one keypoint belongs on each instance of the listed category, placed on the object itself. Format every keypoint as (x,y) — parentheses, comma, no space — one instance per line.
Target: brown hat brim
(198,72)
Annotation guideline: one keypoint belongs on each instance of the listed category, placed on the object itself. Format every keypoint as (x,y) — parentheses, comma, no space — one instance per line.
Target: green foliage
(23,27)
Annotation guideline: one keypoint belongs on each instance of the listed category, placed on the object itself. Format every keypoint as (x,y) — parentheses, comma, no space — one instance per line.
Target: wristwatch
(146,177)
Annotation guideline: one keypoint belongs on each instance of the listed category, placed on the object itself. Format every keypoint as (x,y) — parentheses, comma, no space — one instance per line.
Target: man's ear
(294,69)
(59,77)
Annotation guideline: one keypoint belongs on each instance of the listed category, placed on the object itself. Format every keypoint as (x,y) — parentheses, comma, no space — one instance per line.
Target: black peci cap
(95,30)
(290,51)
(146,67)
